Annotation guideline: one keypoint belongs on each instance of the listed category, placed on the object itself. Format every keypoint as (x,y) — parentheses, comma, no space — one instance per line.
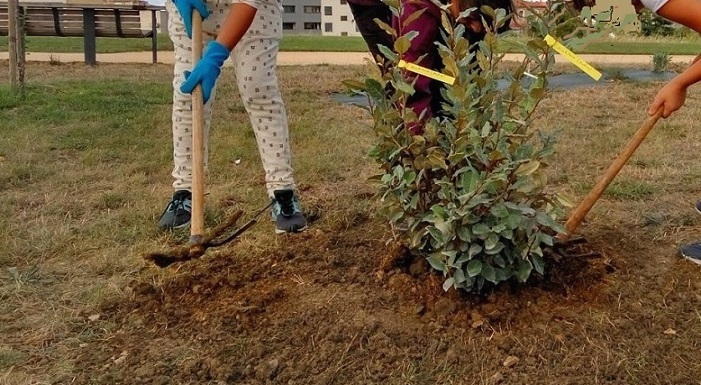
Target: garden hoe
(563,240)
(199,242)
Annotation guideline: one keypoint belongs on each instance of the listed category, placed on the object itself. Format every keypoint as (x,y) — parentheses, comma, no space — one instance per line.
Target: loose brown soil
(346,308)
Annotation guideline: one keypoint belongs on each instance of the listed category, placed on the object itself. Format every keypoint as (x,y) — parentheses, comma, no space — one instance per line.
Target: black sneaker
(287,213)
(178,212)
(692,252)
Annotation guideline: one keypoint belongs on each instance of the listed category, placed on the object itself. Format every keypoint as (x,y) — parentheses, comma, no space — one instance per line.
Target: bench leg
(154,37)
(89,36)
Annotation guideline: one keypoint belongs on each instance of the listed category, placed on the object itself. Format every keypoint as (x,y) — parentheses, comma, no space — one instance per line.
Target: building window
(312,25)
(328,11)
(343,2)
(328,27)
(288,26)
(288,9)
(344,18)
(344,33)
(312,9)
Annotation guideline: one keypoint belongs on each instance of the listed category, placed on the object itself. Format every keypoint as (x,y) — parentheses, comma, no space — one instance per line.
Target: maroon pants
(426,98)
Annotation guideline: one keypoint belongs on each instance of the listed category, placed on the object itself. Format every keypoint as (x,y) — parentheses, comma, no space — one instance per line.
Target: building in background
(301,17)
(337,19)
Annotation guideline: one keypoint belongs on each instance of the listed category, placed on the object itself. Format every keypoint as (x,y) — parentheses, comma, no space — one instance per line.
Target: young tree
(470,193)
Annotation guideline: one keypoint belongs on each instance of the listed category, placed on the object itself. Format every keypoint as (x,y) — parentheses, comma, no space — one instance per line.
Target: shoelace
(287,208)
(178,204)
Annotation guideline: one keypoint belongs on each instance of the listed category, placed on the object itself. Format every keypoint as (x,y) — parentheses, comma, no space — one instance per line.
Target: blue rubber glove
(185,8)
(206,70)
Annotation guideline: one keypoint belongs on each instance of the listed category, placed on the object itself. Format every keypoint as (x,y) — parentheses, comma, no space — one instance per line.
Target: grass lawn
(629,45)
(85,163)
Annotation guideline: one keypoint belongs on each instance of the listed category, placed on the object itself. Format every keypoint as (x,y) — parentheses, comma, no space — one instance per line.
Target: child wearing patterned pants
(248,31)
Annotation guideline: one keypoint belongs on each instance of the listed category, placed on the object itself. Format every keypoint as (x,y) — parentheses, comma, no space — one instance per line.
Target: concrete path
(307,58)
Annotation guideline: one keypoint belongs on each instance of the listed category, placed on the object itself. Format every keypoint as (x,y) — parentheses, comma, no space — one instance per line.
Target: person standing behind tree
(365,12)
(673,95)
(423,49)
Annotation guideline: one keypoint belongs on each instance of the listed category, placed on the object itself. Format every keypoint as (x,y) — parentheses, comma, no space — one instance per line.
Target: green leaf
(470,181)
(489,274)
(500,211)
(528,168)
(395,213)
(448,283)
(480,229)
(413,17)
(459,276)
(401,45)
(436,234)
(409,177)
(564,199)
(354,85)
(523,271)
(374,89)
(474,268)
(464,233)
(538,263)
(388,53)
(403,86)
(436,262)
(491,242)
(474,250)
(499,260)
(386,27)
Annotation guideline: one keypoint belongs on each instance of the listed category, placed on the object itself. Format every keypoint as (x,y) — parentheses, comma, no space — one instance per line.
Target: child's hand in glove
(206,70)
(185,8)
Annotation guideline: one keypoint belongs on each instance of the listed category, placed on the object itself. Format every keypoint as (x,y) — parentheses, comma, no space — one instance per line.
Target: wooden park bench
(86,20)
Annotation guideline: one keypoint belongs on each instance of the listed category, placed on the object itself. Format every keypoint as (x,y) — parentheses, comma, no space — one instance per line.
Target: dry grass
(85,171)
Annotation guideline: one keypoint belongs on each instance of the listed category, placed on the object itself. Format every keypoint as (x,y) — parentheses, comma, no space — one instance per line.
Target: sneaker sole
(694,260)
(183,226)
(280,231)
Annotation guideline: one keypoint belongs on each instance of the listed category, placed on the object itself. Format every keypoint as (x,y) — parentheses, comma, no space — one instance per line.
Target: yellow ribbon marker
(573,58)
(415,68)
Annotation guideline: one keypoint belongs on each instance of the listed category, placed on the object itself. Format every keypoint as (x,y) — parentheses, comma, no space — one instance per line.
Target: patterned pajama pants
(254,59)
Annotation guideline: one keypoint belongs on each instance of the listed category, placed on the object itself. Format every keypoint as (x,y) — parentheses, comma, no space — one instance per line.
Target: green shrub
(471,193)
(653,25)
(660,61)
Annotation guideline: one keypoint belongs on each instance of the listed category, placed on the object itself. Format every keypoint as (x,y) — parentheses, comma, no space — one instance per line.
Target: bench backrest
(56,21)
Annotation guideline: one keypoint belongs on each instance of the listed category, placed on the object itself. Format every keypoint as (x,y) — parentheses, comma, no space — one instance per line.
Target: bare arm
(237,22)
(687,13)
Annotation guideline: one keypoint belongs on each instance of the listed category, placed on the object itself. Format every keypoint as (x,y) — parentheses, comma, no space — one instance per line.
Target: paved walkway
(307,58)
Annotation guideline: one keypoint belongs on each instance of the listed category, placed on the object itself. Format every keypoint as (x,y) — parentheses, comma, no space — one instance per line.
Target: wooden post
(12,18)
(21,50)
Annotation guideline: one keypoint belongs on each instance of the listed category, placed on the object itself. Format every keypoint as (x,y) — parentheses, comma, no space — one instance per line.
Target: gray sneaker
(287,213)
(178,211)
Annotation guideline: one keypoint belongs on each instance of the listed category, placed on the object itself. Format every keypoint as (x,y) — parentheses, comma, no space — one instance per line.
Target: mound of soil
(338,304)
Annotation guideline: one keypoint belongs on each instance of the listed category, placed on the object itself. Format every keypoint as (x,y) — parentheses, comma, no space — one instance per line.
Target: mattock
(199,241)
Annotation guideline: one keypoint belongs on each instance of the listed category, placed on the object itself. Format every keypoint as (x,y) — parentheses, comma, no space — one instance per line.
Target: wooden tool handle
(583,209)
(197,151)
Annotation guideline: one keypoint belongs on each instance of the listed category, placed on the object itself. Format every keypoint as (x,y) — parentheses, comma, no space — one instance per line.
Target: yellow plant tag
(415,68)
(573,58)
